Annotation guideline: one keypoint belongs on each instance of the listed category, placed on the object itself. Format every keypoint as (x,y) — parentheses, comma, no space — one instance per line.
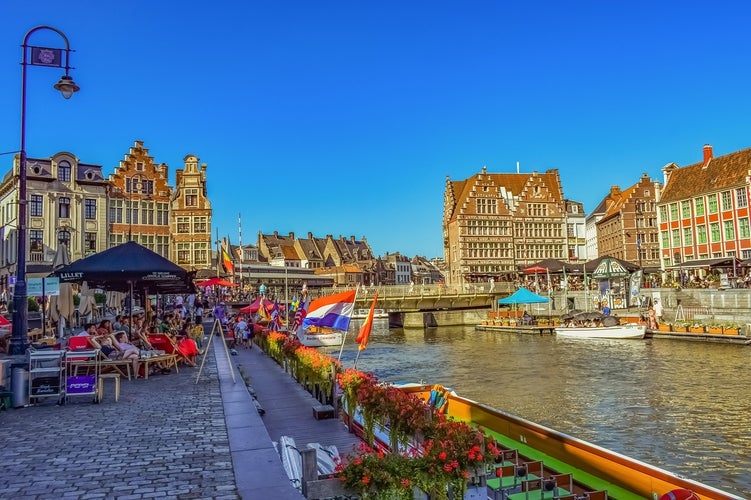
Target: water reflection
(682,406)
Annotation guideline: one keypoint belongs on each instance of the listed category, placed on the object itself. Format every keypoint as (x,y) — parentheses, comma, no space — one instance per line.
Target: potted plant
(714,328)
(696,328)
(680,326)
(731,329)
(665,327)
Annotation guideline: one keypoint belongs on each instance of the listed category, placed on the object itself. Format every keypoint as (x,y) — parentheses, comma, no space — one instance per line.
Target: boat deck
(528,329)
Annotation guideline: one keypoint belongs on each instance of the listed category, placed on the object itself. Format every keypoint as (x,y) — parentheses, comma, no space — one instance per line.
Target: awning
(707,263)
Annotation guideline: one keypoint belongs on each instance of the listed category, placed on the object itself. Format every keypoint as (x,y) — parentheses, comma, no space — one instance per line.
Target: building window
(36,207)
(116,211)
(200,225)
(89,207)
(688,236)
(89,243)
(686,209)
(729,230)
(183,225)
(676,238)
(63,207)
(701,234)
(743,228)
(741,199)
(147,213)
(63,171)
(183,253)
(162,212)
(727,200)
(673,211)
(699,206)
(162,246)
(191,197)
(714,232)
(712,203)
(200,253)
(63,237)
(664,213)
(36,240)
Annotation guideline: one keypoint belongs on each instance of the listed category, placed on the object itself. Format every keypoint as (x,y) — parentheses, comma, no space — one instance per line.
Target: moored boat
(594,468)
(627,331)
(363,313)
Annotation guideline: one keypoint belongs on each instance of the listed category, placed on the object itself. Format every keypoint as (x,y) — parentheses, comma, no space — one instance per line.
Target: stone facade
(139,202)
(190,217)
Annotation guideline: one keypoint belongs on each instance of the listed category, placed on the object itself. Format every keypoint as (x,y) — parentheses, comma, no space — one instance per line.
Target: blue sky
(345,118)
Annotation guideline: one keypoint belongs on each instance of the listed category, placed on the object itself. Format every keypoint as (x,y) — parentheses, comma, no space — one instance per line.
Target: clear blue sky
(345,117)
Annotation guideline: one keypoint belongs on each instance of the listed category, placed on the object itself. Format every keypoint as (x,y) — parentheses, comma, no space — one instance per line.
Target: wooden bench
(169,360)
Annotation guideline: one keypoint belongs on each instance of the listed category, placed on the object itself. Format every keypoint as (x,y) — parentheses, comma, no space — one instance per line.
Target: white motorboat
(363,313)
(628,331)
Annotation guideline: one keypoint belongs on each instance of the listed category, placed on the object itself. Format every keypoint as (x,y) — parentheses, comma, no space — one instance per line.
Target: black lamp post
(40,56)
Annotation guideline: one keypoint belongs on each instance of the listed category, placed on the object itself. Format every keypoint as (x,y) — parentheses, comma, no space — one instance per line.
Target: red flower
(366,480)
(442,455)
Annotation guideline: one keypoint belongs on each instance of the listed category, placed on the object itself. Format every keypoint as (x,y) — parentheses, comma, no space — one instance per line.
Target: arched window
(63,171)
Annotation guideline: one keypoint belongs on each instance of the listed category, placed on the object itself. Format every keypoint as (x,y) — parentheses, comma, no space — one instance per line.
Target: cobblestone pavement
(165,438)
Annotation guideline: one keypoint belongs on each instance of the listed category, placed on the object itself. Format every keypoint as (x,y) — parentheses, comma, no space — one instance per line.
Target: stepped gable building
(493,224)
(628,228)
(139,202)
(190,217)
(703,211)
(67,202)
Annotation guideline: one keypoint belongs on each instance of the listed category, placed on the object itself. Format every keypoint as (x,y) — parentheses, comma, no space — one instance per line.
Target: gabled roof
(512,183)
(722,172)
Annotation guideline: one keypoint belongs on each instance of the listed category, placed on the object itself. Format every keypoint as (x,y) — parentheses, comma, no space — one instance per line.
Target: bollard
(20,387)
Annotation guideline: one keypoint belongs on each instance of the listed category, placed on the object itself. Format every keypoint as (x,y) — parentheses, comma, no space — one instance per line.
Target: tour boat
(594,468)
(627,331)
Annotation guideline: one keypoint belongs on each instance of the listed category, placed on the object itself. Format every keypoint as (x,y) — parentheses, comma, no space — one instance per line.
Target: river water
(682,406)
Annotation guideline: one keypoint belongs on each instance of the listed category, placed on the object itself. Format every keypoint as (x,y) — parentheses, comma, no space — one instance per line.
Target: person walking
(658,311)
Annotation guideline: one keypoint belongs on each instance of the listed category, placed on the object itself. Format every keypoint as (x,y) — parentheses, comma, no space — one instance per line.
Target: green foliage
(33,305)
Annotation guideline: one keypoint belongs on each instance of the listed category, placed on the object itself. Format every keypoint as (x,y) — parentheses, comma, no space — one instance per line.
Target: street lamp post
(40,56)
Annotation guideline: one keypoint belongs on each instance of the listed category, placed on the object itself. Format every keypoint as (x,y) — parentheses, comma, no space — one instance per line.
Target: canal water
(682,406)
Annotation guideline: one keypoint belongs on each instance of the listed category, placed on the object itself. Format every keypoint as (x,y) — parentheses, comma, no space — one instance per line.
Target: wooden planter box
(696,329)
(681,329)
(664,327)
(715,330)
(731,331)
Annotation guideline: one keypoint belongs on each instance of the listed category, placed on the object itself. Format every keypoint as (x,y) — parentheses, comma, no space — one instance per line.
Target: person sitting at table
(187,347)
(526,318)
(129,350)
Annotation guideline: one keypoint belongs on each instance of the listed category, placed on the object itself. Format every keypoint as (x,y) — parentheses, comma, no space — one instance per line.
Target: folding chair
(558,484)
(596,495)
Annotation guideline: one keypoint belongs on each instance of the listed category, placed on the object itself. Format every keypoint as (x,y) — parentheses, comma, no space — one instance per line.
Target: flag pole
(344,337)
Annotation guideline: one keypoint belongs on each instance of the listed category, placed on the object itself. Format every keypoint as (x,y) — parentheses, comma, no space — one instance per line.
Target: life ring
(680,494)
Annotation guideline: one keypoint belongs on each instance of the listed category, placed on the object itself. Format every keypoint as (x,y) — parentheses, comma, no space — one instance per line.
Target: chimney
(707,154)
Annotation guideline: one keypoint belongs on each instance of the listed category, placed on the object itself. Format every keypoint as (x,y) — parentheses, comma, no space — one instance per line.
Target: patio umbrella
(87,302)
(61,306)
(216,282)
(609,268)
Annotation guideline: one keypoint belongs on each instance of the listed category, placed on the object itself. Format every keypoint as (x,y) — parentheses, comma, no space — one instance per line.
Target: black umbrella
(128,266)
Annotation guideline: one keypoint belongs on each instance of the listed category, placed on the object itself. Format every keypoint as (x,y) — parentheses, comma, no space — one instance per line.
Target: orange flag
(362,337)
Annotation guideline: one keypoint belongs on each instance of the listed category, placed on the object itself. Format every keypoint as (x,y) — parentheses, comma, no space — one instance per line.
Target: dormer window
(63,171)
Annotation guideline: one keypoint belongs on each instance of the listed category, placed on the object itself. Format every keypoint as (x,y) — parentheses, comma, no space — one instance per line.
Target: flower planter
(731,331)
(664,327)
(681,329)
(714,330)
(696,329)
